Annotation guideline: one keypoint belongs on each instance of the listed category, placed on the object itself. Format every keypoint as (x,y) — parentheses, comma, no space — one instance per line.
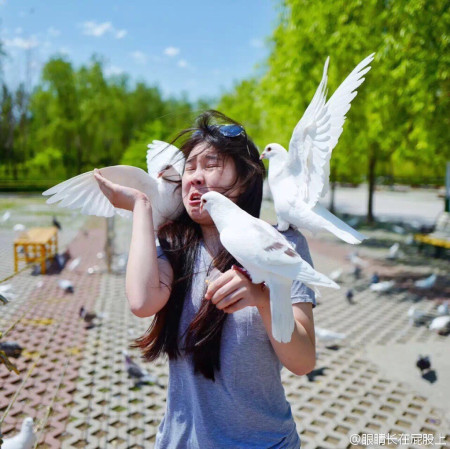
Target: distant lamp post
(447,188)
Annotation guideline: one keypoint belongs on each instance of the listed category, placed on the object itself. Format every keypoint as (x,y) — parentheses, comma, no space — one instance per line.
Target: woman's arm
(148,279)
(299,355)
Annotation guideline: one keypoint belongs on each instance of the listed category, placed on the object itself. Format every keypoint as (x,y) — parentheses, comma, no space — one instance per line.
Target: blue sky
(199,47)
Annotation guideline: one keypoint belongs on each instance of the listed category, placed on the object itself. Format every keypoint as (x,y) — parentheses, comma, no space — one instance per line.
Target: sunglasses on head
(233,131)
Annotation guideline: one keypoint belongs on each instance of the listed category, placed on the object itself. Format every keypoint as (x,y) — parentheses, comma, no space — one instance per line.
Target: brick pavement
(102,409)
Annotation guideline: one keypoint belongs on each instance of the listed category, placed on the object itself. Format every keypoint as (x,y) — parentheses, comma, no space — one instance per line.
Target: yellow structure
(38,244)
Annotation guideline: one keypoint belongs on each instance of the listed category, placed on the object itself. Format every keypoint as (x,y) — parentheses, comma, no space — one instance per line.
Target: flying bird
(300,177)
(165,165)
(266,255)
(26,439)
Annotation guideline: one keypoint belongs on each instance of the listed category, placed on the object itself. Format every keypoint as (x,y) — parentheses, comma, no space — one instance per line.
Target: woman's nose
(197,178)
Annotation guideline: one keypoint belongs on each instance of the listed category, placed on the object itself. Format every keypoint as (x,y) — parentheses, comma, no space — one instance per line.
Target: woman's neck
(211,240)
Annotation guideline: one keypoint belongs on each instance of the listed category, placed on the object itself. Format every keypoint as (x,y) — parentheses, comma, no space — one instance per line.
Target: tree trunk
(371,179)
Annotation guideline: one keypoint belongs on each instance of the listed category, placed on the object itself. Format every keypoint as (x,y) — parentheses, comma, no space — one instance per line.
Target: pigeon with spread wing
(165,164)
(300,177)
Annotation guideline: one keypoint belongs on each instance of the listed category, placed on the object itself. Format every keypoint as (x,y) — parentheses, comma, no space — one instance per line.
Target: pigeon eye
(269,149)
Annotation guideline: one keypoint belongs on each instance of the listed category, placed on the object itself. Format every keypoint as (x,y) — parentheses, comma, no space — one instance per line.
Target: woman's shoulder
(293,235)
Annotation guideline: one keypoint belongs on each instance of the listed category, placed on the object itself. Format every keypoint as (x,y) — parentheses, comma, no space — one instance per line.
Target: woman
(213,323)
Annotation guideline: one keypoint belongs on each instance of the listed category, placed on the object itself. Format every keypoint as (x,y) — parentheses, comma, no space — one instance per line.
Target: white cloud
(139,57)
(182,63)
(113,70)
(92,28)
(19,42)
(121,34)
(171,51)
(256,43)
(53,32)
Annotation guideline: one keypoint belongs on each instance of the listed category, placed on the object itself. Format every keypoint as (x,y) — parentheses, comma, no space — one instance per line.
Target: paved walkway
(73,382)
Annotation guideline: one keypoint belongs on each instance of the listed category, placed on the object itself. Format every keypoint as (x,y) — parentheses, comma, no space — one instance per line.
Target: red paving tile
(48,327)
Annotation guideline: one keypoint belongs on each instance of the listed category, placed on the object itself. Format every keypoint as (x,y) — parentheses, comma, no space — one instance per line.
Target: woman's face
(206,170)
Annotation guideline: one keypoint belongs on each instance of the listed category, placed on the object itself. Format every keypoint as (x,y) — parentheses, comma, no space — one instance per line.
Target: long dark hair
(180,241)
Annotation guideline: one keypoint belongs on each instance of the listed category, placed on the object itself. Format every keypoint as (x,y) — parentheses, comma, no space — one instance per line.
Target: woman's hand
(119,196)
(233,291)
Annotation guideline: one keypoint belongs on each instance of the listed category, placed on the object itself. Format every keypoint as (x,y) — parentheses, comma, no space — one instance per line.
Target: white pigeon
(74,264)
(26,439)
(6,216)
(327,335)
(300,177)
(266,255)
(427,282)
(65,285)
(165,164)
(382,287)
(443,309)
(356,260)
(440,324)
(394,251)
(19,227)
(336,275)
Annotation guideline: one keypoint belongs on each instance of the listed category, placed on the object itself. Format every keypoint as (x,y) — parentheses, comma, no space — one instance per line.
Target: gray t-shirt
(246,406)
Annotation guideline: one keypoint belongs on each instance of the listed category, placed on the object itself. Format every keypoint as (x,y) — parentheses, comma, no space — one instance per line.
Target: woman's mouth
(195,199)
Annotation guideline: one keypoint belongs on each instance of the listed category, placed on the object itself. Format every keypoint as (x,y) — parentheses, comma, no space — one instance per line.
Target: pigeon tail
(337,227)
(281,310)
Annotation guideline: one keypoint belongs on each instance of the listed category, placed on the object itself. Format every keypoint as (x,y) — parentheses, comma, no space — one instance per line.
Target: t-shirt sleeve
(159,251)
(300,292)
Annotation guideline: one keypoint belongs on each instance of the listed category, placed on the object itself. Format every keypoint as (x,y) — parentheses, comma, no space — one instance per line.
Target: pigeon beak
(201,206)
(263,156)
(160,174)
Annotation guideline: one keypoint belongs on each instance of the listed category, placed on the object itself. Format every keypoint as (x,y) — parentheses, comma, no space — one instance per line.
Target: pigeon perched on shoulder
(26,439)
(165,165)
(266,255)
(300,177)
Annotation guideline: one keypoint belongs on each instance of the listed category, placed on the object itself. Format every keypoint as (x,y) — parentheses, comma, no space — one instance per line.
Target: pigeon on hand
(266,255)
(26,439)
(137,373)
(66,285)
(300,177)
(165,165)
(427,282)
(11,348)
(423,363)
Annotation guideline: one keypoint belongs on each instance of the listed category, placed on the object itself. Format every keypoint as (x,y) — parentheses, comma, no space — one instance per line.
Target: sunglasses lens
(231,130)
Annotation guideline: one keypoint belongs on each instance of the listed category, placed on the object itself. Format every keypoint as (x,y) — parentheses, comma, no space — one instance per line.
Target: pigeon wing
(161,154)
(318,131)
(83,192)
